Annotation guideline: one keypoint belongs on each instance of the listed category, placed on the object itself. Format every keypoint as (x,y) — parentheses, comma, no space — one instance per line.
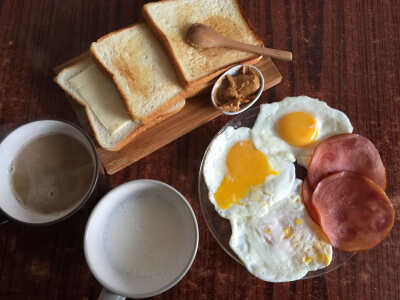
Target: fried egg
(293,127)
(242,180)
(283,244)
(250,175)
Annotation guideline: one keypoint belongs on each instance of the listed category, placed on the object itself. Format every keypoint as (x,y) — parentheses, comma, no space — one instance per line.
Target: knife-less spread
(238,89)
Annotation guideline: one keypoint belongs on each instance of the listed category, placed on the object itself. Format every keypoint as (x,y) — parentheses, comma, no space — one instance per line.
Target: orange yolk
(246,167)
(298,129)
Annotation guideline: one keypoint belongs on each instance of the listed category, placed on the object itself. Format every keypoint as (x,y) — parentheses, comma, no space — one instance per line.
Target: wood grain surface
(345,52)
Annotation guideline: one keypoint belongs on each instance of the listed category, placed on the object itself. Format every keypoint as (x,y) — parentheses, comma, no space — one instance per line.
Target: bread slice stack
(137,76)
(141,91)
(111,124)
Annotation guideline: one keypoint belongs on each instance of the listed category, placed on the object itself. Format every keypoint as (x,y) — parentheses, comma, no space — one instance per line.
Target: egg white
(266,138)
(272,257)
(259,198)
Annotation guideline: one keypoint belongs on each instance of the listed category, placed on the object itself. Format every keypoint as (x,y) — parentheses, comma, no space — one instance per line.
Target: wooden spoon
(202,36)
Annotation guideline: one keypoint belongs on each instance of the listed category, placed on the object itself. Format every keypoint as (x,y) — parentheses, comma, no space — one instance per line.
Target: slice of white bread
(141,70)
(113,128)
(170,20)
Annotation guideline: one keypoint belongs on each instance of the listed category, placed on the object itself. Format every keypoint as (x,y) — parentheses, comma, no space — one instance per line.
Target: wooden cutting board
(197,111)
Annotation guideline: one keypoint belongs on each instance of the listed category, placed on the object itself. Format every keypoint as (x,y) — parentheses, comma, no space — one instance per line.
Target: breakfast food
(170,21)
(283,244)
(344,192)
(295,125)
(128,82)
(257,190)
(238,89)
(108,118)
(281,226)
(243,181)
(346,152)
(141,71)
(354,211)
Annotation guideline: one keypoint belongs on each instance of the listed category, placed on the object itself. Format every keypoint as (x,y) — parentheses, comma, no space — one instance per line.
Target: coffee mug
(9,149)
(140,239)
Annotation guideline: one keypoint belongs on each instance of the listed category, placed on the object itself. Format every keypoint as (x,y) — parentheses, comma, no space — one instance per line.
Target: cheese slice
(100,94)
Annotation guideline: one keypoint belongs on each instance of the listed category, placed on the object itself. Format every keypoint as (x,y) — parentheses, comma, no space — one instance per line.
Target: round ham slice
(346,152)
(354,211)
(306,196)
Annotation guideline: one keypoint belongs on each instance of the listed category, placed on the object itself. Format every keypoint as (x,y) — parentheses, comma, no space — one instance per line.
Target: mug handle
(106,295)
(3,218)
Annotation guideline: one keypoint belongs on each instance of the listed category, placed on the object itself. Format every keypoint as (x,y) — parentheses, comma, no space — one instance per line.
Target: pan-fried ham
(346,152)
(354,211)
(306,195)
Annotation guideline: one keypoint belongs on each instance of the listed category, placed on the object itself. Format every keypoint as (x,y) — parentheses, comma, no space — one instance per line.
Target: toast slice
(170,20)
(112,126)
(141,70)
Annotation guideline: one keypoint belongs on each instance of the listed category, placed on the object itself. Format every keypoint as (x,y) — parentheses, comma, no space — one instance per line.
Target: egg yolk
(246,167)
(298,129)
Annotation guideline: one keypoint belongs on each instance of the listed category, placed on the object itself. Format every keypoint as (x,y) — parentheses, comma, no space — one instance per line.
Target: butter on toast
(141,70)
(170,20)
(88,84)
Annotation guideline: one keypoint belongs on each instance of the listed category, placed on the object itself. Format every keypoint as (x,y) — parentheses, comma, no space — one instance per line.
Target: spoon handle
(274,53)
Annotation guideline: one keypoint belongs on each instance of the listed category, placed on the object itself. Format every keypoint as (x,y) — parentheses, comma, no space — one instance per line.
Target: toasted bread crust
(180,73)
(57,69)
(164,40)
(154,115)
(69,94)
(143,128)
(83,105)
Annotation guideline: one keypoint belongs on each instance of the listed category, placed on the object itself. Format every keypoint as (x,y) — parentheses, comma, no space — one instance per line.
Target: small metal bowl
(233,71)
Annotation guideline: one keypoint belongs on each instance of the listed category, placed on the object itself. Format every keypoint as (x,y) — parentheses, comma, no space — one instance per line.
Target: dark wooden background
(345,52)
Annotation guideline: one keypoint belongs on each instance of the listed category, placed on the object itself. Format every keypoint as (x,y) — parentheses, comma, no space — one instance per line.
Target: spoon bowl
(203,37)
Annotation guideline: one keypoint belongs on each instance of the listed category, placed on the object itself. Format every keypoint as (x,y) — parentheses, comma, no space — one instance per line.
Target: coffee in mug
(48,169)
(51,173)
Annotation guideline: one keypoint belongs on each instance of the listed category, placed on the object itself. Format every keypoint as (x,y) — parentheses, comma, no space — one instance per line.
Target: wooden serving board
(197,111)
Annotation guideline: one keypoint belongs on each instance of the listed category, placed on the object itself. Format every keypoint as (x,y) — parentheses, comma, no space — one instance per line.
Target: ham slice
(306,196)
(346,152)
(354,211)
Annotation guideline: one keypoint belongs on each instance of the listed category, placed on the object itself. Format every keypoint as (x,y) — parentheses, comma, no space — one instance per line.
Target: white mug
(140,239)
(10,147)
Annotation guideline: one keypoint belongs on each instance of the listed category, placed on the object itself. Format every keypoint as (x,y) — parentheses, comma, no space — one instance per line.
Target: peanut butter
(237,89)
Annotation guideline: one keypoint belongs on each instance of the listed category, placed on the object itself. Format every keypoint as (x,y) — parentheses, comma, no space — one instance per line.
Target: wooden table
(345,52)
